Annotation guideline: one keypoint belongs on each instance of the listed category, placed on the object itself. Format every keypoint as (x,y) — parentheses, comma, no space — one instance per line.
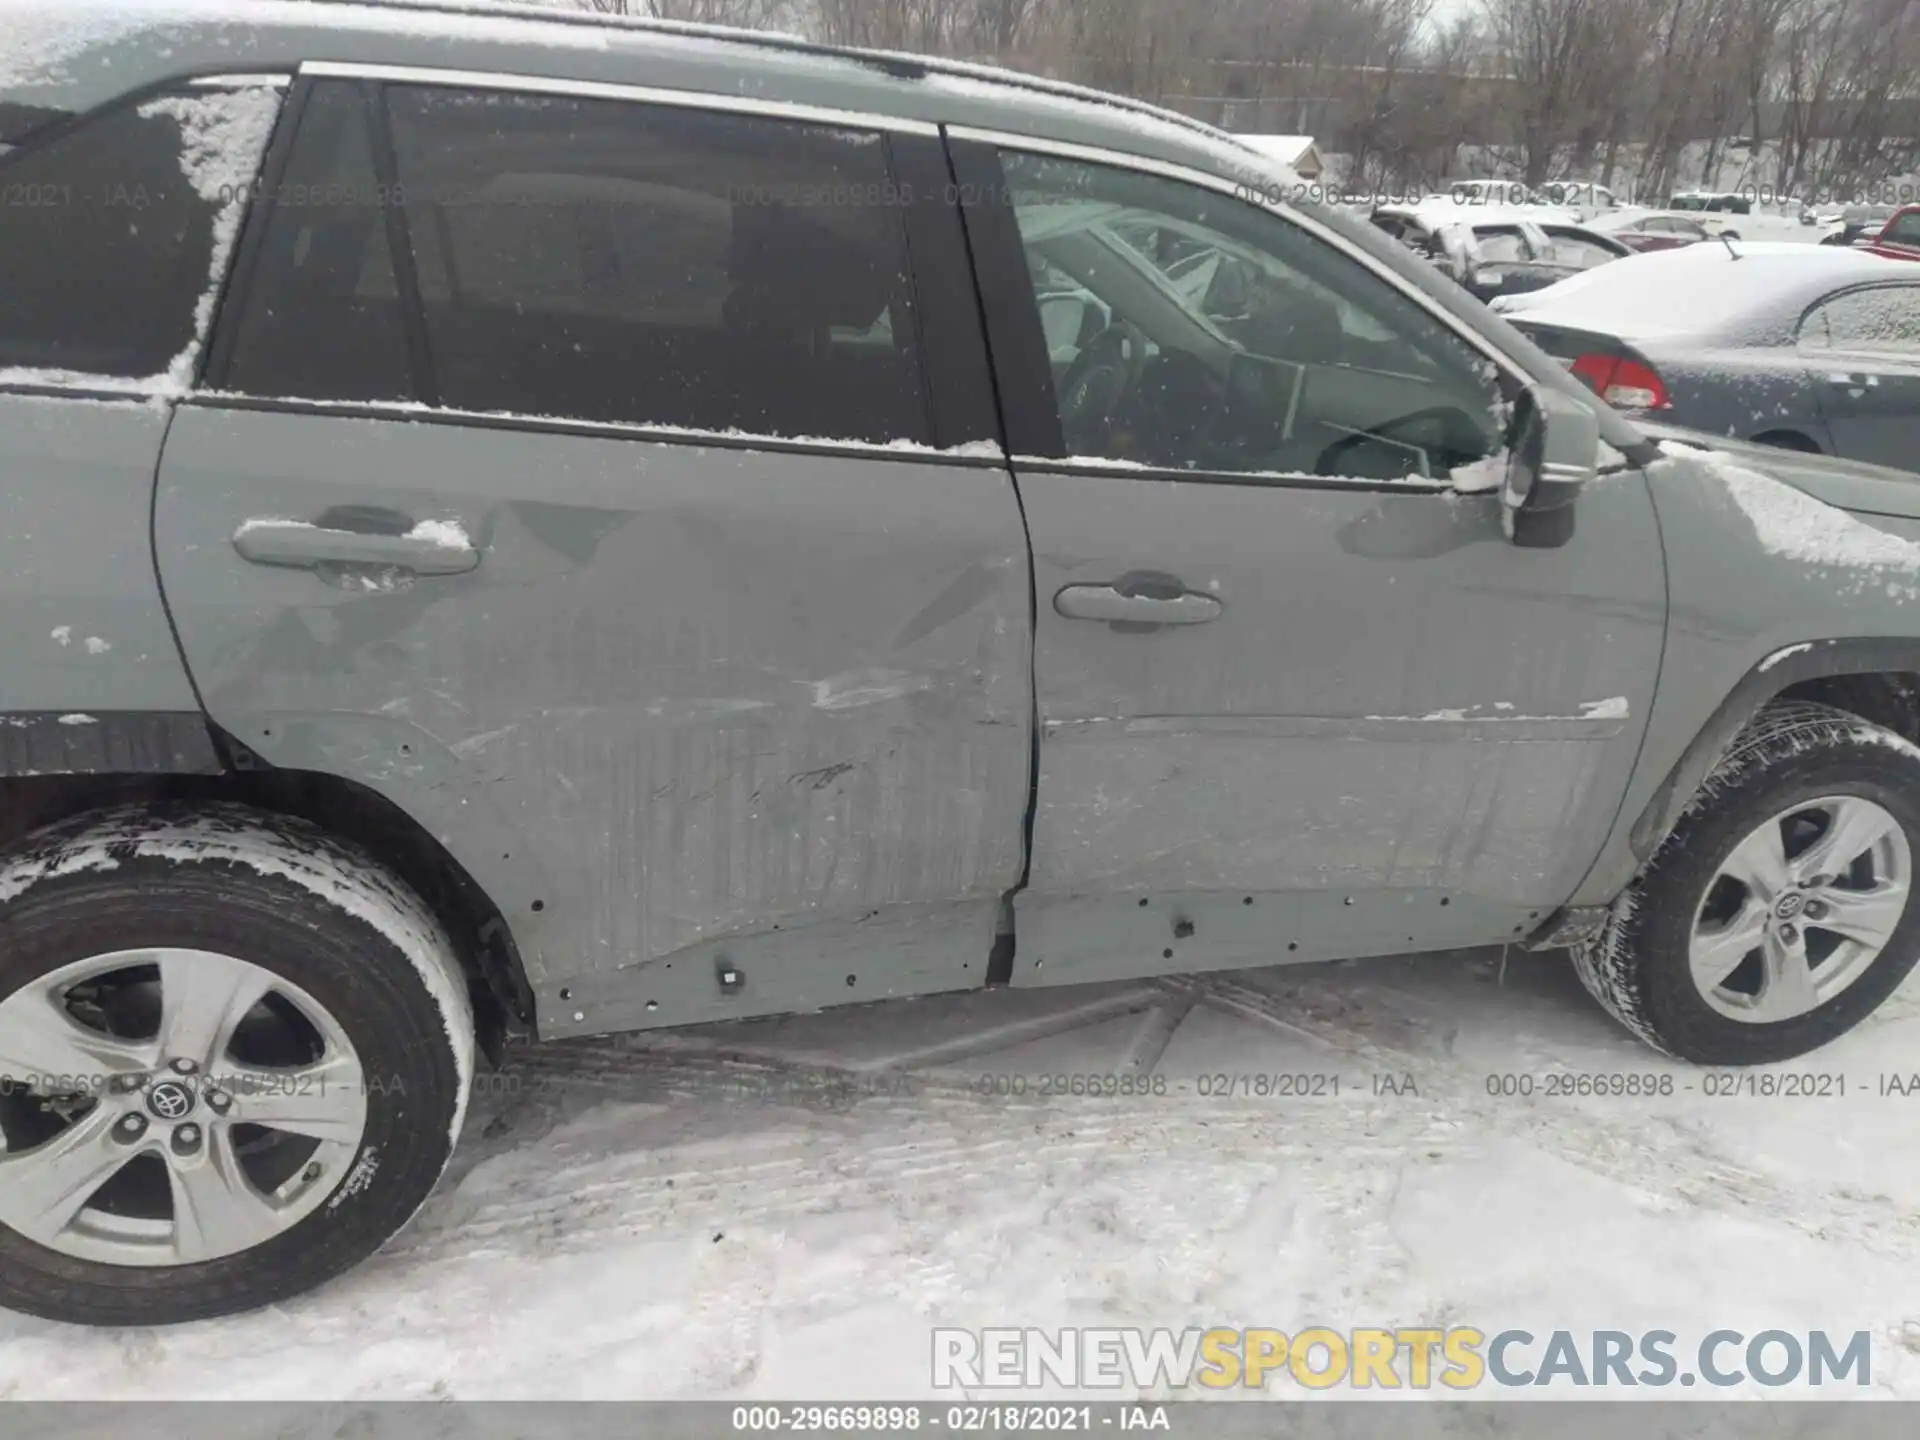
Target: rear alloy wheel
(1779,913)
(234,1056)
(230,1124)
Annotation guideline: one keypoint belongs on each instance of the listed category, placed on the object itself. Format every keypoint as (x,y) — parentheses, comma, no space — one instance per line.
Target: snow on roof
(1287,149)
(1693,290)
(40,38)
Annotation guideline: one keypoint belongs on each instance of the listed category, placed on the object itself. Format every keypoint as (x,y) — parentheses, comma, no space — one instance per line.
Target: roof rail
(892,62)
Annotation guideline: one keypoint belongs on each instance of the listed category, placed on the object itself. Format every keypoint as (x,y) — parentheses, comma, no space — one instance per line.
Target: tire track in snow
(726,1136)
(1648,1150)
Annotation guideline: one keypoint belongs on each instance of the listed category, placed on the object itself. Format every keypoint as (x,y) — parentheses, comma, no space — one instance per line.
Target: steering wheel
(1450,416)
(1096,382)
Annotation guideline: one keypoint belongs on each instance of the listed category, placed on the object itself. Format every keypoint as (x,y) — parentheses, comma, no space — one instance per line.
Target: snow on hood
(1851,485)
(1792,524)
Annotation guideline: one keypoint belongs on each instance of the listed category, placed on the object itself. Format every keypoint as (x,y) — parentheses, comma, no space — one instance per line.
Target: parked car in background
(1651,229)
(1498,251)
(1716,210)
(1796,346)
(1854,224)
(1899,237)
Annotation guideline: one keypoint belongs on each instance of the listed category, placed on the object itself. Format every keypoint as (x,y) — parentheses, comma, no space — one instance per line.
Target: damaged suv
(529,527)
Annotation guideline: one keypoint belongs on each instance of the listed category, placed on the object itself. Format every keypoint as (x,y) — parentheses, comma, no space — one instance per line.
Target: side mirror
(1555,450)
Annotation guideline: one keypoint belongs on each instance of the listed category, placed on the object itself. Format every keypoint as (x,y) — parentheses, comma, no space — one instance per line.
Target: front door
(585,483)
(1298,698)
(1862,349)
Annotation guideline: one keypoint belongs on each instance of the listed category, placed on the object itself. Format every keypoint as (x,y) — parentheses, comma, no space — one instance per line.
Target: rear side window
(115,234)
(655,265)
(323,318)
(1575,250)
(1502,246)
(1886,318)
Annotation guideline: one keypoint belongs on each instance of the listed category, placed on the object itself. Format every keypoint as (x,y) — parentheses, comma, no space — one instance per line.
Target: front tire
(1779,913)
(234,1059)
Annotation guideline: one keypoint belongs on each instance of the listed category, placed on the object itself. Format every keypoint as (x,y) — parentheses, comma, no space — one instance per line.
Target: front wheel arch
(1645,963)
(1877,679)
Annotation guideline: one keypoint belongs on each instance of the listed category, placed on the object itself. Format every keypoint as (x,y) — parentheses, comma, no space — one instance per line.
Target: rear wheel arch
(361,817)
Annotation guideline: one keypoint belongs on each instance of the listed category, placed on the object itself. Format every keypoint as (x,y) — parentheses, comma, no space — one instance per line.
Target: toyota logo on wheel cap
(170,1100)
(1790,905)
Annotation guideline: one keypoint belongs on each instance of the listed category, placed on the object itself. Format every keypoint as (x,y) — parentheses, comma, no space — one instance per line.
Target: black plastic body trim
(541,425)
(952,349)
(113,742)
(1018,344)
(1039,465)
(406,271)
(253,231)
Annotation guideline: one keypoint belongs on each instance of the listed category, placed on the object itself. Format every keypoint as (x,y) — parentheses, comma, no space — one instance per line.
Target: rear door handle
(425,550)
(1133,601)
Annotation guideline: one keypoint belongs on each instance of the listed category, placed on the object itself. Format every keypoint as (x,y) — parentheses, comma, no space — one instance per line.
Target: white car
(1720,212)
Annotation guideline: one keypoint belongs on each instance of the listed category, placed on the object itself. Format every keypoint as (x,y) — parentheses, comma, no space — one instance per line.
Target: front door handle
(433,549)
(1137,600)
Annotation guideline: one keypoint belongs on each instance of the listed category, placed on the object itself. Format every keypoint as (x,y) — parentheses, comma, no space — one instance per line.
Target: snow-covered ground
(786,1208)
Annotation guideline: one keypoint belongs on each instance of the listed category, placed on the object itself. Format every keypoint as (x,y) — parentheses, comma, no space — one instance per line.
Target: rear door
(114,231)
(1862,351)
(591,477)
(1298,699)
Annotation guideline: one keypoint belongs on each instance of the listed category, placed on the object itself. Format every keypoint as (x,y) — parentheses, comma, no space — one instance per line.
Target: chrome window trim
(148,390)
(609,90)
(1246,192)
(1269,479)
(972,454)
(241,82)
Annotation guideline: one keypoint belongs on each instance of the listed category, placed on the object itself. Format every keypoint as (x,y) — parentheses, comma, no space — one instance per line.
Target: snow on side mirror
(1555,450)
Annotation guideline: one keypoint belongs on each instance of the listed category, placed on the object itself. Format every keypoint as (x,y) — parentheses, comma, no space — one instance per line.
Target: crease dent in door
(710,693)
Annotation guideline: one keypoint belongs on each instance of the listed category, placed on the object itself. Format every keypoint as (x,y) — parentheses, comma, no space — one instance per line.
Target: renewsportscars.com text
(1460,1357)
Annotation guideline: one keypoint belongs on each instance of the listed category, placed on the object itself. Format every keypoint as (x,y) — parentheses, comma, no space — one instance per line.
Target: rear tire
(1791,776)
(359,1045)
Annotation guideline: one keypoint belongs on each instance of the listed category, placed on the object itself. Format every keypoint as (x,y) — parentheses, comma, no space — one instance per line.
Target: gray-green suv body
(519,527)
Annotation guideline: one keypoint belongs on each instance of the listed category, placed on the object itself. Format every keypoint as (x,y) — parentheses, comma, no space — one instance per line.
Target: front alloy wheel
(1801,909)
(1779,913)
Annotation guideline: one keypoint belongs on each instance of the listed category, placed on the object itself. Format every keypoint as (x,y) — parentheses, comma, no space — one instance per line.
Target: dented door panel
(688,695)
(1399,730)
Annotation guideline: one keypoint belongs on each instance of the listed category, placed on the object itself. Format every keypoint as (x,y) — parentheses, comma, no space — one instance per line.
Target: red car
(1651,229)
(1899,238)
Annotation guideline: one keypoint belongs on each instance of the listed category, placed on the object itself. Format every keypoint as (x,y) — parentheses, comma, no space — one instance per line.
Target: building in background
(1297,151)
